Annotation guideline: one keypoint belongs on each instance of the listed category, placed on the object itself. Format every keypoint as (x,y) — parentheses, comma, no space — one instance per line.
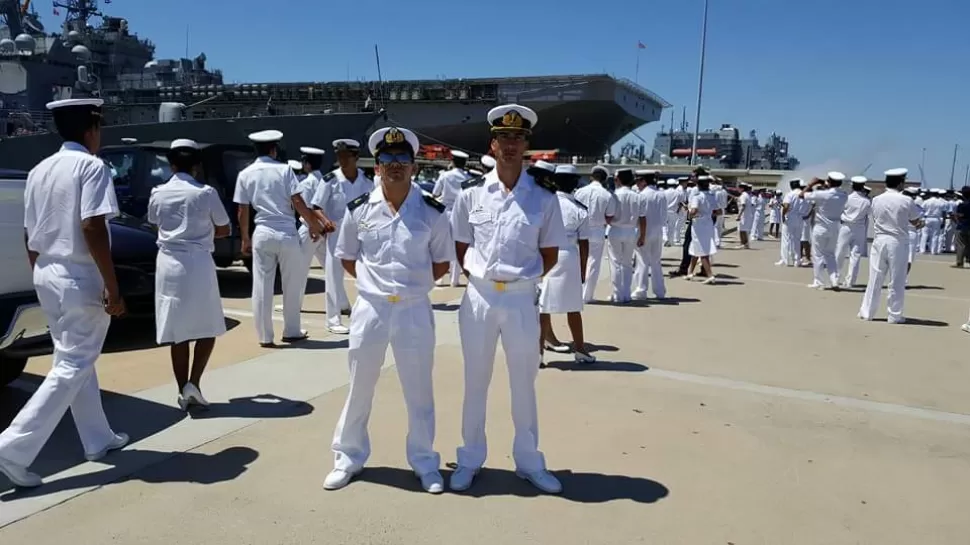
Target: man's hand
(247,246)
(114,305)
(641,240)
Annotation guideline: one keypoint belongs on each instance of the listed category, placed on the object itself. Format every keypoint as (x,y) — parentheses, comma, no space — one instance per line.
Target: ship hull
(24,152)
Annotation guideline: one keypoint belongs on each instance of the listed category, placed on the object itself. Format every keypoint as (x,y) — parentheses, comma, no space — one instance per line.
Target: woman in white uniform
(562,287)
(703,211)
(189,216)
(774,215)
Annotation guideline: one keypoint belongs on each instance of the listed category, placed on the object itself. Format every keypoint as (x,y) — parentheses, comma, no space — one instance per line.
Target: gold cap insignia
(393,136)
(513,120)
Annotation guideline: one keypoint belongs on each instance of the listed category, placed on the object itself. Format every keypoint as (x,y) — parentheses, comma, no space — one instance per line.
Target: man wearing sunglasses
(508,229)
(339,187)
(396,241)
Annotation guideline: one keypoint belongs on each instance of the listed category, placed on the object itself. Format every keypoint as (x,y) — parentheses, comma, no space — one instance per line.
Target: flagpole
(636,77)
(700,87)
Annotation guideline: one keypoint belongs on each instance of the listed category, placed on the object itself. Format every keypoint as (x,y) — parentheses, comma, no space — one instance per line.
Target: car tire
(11,367)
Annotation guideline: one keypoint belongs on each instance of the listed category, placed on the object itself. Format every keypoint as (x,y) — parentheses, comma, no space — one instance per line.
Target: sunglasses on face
(386,158)
(510,136)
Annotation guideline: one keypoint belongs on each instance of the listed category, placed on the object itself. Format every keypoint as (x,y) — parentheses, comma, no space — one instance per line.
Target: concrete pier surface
(749,412)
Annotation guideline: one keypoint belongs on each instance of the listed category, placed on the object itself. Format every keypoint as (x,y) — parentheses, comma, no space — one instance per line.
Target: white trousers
(680,227)
(718,229)
(759,226)
(648,267)
(930,239)
(824,242)
(487,315)
(888,256)
(334,277)
(272,248)
(672,231)
(596,244)
(70,296)
(851,244)
(621,261)
(310,249)
(949,234)
(408,326)
(791,242)
(454,271)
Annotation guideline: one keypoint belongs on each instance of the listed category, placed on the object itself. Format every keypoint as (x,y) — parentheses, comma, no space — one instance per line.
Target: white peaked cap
(544,165)
(266,136)
(459,154)
(488,161)
(382,138)
(295,165)
(74,102)
(307,150)
(567,169)
(858,179)
(184,143)
(896,172)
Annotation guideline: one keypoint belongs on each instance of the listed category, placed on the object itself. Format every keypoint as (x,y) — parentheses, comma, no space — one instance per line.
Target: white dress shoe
(119,442)
(338,330)
(462,478)
(19,475)
(339,478)
(432,482)
(583,358)
(541,479)
(191,395)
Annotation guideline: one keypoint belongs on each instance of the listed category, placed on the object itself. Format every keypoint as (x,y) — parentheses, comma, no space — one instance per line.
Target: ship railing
(36,117)
(639,89)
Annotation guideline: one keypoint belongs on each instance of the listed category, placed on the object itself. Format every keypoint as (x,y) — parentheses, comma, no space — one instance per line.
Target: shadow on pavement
(599,365)
(236,284)
(917,321)
(312,344)
(147,466)
(921,287)
(577,487)
(254,407)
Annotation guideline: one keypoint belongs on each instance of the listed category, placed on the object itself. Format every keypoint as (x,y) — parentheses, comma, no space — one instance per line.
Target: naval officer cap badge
(393,137)
(512,118)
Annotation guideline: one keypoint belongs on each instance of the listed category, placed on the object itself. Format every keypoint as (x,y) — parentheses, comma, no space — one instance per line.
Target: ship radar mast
(79,12)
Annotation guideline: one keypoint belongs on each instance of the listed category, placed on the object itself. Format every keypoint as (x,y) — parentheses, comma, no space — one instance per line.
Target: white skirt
(774,216)
(702,238)
(747,222)
(562,288)
(187,301)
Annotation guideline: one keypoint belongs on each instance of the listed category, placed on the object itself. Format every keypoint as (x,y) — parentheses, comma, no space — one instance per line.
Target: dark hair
(459,162)
(183,159)
(567,183)
(624,177)
(703,184)
(315,161)
(73,122)
(599,175)
(794,184)
(834,183)
(265,148)
(893,182)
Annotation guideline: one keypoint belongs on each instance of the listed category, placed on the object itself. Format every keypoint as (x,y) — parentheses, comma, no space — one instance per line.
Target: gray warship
(153,100)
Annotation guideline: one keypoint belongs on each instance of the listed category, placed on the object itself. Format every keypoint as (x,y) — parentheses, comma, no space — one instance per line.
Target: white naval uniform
(622,238)
(671,235)
(758,229)
(914,234)
(446,189)
(394,254)
(332,197)
(187,301)
(61,191)
(829,205)
(311,248)
(774,210)
(852,235)
(504,230)
(268,186)
(703,226)
(746,209)
(721,200)
(892,213)
(600,206)
(562,287)
(649,267)
(949,227)
(933,209)
(791,229)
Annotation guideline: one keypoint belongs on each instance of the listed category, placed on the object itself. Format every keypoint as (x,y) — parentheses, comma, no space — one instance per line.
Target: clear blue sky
(851,81)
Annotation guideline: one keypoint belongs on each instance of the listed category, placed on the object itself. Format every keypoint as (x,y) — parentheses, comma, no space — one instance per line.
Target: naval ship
(149,99)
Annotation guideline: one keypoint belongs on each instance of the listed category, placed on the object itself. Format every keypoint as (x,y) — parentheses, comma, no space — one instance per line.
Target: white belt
(503,285)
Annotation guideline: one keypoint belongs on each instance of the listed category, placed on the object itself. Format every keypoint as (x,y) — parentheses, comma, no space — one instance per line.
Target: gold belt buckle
(393,298)
(500,286)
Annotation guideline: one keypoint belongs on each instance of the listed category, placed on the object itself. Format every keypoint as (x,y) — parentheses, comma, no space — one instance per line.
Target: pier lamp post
(700,87)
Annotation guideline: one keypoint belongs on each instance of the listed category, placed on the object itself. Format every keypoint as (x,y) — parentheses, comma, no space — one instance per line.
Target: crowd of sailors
(529,240)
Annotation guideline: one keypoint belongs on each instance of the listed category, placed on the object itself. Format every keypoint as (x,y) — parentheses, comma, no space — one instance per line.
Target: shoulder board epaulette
(432,202)
(547,185)
(474,182)
(329,176)
(581,205)
(357,202)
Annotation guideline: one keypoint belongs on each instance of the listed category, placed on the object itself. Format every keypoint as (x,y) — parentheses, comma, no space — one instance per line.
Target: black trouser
(685,258)
(963,247)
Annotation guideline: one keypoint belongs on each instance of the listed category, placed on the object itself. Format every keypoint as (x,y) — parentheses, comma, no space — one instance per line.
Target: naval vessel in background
(149,99)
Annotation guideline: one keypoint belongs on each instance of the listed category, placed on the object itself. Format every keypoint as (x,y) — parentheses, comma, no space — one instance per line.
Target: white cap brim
(74,102)
(184,143)
(307,150)
(263,137)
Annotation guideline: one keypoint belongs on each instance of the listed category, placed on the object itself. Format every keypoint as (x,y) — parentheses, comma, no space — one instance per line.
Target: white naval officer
(312,161)
(395,240)
(649,269)
(601,207)
(68,200)
(341,186)
(829,201)
(270,189)
(746,209)
(627,232)
(853,231)
(508,230)
(446,189)
(189,216)
(892,215)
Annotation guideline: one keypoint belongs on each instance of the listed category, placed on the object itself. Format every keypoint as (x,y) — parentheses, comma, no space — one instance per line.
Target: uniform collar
(74,146)
(185,177)
(377,195)
(523,185)
(340,175)
(266,159)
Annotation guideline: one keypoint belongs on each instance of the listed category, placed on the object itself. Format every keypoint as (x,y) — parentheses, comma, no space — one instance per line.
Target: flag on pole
(640,45)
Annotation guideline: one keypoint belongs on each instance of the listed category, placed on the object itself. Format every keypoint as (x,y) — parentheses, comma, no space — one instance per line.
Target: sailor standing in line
(627,233)
(68,200)
(892,215)
(297,169)
(395,241)
(774,214)
(446,189)
(189,216)
(671,237)
(829,201)
(791,224)
(508,230)
(852,232)
(601,207)
(649,270)
(721,197)
(914,231)
(312,161)
(746,206)
(933,210)
(339,187)
(271,189)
